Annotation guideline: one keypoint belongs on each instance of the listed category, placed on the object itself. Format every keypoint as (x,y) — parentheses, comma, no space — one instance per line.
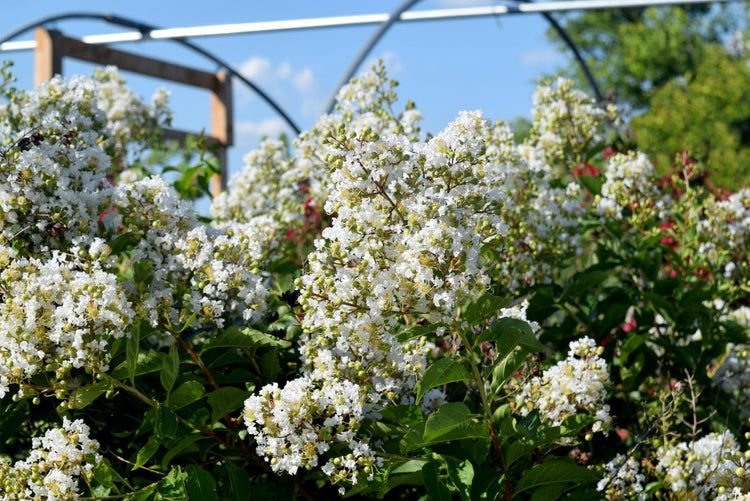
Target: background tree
(682,72)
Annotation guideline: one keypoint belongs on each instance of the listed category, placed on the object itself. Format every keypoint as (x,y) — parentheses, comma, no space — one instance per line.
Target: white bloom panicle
(57,316)
(52,470)
(622,479)
(695,468)
(573,386)
(61,306)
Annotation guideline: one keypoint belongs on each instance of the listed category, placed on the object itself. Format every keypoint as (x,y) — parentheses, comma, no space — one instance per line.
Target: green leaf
(240,482)
(225,400)
(145,363)
(131,352)
(409,466)
(414,331)
(586,280)
(124,242)
(200,484)
(443,371)
(402,414)
(269,364)
(506,368)
(143,271)
(509,333)
(172,487)
(81,397)
(170,368)
(239,337)
(436,490)
(555,471)
(485,307)
(461,474)
(166,423)
(186,394)
(550,492)
(146,452)
(183,445)
(454,421)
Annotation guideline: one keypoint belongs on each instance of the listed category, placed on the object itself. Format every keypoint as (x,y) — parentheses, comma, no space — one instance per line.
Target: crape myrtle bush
(374,312)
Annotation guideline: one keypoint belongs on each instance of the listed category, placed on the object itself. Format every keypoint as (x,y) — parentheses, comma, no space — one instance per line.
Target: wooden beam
(221,125)
(48,55)
(99,54)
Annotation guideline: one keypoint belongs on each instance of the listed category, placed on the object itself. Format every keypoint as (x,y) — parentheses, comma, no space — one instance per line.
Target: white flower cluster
(60,306)
(194,269)
(622,479)
(724,232)
(566,122)
(693,468)
(274,198)
(629,181)
(130,122)
(54,465)
(733,374)
(296,424)
(573,386)
(412,218)
(57,315)
(543,220)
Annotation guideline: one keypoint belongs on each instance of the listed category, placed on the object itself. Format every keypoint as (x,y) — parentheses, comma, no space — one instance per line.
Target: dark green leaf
(461,474)
(239,481)
(239,337)
(183,445)
(200,484)
(81,397)
(506,368)
(454,421)
(225,400)
(436,490)
(166,423)
(509,333)
(555,471)
(186,394)
(145,363)
(485,307)
(170,367)
(585,281)
(443,371)
(172,487)
(131,352)
(414,331)
(146,452)
(143,271)
(124,242)
(407,415)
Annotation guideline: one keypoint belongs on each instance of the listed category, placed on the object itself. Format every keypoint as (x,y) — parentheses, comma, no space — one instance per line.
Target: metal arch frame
(145,29)
(394,17)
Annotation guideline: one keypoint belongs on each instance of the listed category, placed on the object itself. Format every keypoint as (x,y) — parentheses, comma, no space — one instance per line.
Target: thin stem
(488,412)
(198,361)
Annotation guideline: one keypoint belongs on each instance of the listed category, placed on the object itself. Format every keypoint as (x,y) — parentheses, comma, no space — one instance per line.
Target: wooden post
(52,46)
(221,126)
(48,55)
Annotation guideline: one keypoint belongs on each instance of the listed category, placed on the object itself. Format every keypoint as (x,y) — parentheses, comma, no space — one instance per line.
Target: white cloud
(539,57)
(291,87)
(249,133)
(304,81)
(393,63)
(257,69)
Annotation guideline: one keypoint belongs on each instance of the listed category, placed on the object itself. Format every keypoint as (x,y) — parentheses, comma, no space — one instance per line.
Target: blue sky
(444,66)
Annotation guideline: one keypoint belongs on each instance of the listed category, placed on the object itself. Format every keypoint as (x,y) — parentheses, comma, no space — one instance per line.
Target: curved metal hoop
(394,17)
(145,29)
